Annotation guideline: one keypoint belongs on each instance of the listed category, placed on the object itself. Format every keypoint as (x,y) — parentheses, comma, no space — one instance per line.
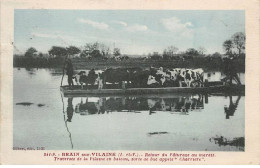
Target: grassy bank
(208,64)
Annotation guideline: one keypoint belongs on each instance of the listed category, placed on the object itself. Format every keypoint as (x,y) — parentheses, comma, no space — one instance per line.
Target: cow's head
(162,79)
(174,74)
(151,80)
(99,79)
(182,72)
(82,73)
(76,78)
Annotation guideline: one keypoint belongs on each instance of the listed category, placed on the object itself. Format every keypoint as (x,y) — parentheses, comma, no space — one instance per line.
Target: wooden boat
(76,91)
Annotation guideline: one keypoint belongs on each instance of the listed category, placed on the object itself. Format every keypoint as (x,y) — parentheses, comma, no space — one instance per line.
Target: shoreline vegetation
(206,63)
(99,56)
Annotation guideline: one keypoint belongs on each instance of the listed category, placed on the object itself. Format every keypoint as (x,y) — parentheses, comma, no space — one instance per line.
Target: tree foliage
(30,52)
(58,51)
(171,50)
(95,50)
(216,55)
(202,50)
(239,40)
(235,45)
(228,45)
(116,52)
(96,54)
(72,50)
(192,52)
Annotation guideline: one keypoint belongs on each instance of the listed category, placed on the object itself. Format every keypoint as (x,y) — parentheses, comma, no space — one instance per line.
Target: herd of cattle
(142,78)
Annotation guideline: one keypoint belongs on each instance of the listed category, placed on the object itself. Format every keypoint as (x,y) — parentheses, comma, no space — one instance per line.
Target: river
(42,117)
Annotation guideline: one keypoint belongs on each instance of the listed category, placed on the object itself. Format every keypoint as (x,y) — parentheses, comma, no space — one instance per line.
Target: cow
(80,78)
(172,77)
(178,77)
(139,77)
(147,77)
(157,77)
(113,76)
(189,77)
(152,82)
(199,77)
(92,78)
(99,81)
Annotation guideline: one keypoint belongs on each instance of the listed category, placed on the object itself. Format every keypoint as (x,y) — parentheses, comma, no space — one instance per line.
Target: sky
(135,32)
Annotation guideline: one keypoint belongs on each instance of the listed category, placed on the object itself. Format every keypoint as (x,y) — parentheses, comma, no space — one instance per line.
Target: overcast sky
(133,31)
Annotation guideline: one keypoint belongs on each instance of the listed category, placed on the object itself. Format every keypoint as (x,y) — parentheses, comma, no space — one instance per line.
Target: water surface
(182,122)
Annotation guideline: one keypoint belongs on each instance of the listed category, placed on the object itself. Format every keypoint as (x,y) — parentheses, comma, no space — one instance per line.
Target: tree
(104,50)
(30,52)
(235,45)
(171,50)
(40,55)
(72,50)
(96,54)
(89,48)
(116,52)
(239,40)
(216,55)
(166,55)
(58,51)
(95,49)
(228,45)
(202,50)
(192,52)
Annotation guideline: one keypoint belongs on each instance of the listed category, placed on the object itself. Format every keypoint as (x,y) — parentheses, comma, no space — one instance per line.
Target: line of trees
(235,46)
(172,52)
(95,50)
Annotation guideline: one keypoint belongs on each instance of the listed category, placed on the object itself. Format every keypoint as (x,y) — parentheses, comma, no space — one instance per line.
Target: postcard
(120,82)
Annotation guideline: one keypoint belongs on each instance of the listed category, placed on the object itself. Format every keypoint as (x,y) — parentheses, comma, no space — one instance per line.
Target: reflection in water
(222,141)
(88,108)
(70,109)
(232,107)
(182,105)
(176,105)
(31,71)
(69,116)
(102,105)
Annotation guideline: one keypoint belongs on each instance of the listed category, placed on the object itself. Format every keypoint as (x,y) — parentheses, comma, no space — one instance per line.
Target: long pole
(63,70)
(62,78)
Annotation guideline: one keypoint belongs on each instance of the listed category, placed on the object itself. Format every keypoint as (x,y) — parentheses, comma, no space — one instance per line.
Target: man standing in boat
(69,71)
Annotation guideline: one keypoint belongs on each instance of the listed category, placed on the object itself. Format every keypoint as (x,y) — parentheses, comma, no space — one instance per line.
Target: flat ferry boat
(213,87)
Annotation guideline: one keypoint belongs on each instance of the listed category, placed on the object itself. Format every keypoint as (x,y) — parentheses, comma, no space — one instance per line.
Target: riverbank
(208,64)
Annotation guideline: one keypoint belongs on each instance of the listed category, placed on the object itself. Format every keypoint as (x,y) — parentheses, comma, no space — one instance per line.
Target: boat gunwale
(237,89)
